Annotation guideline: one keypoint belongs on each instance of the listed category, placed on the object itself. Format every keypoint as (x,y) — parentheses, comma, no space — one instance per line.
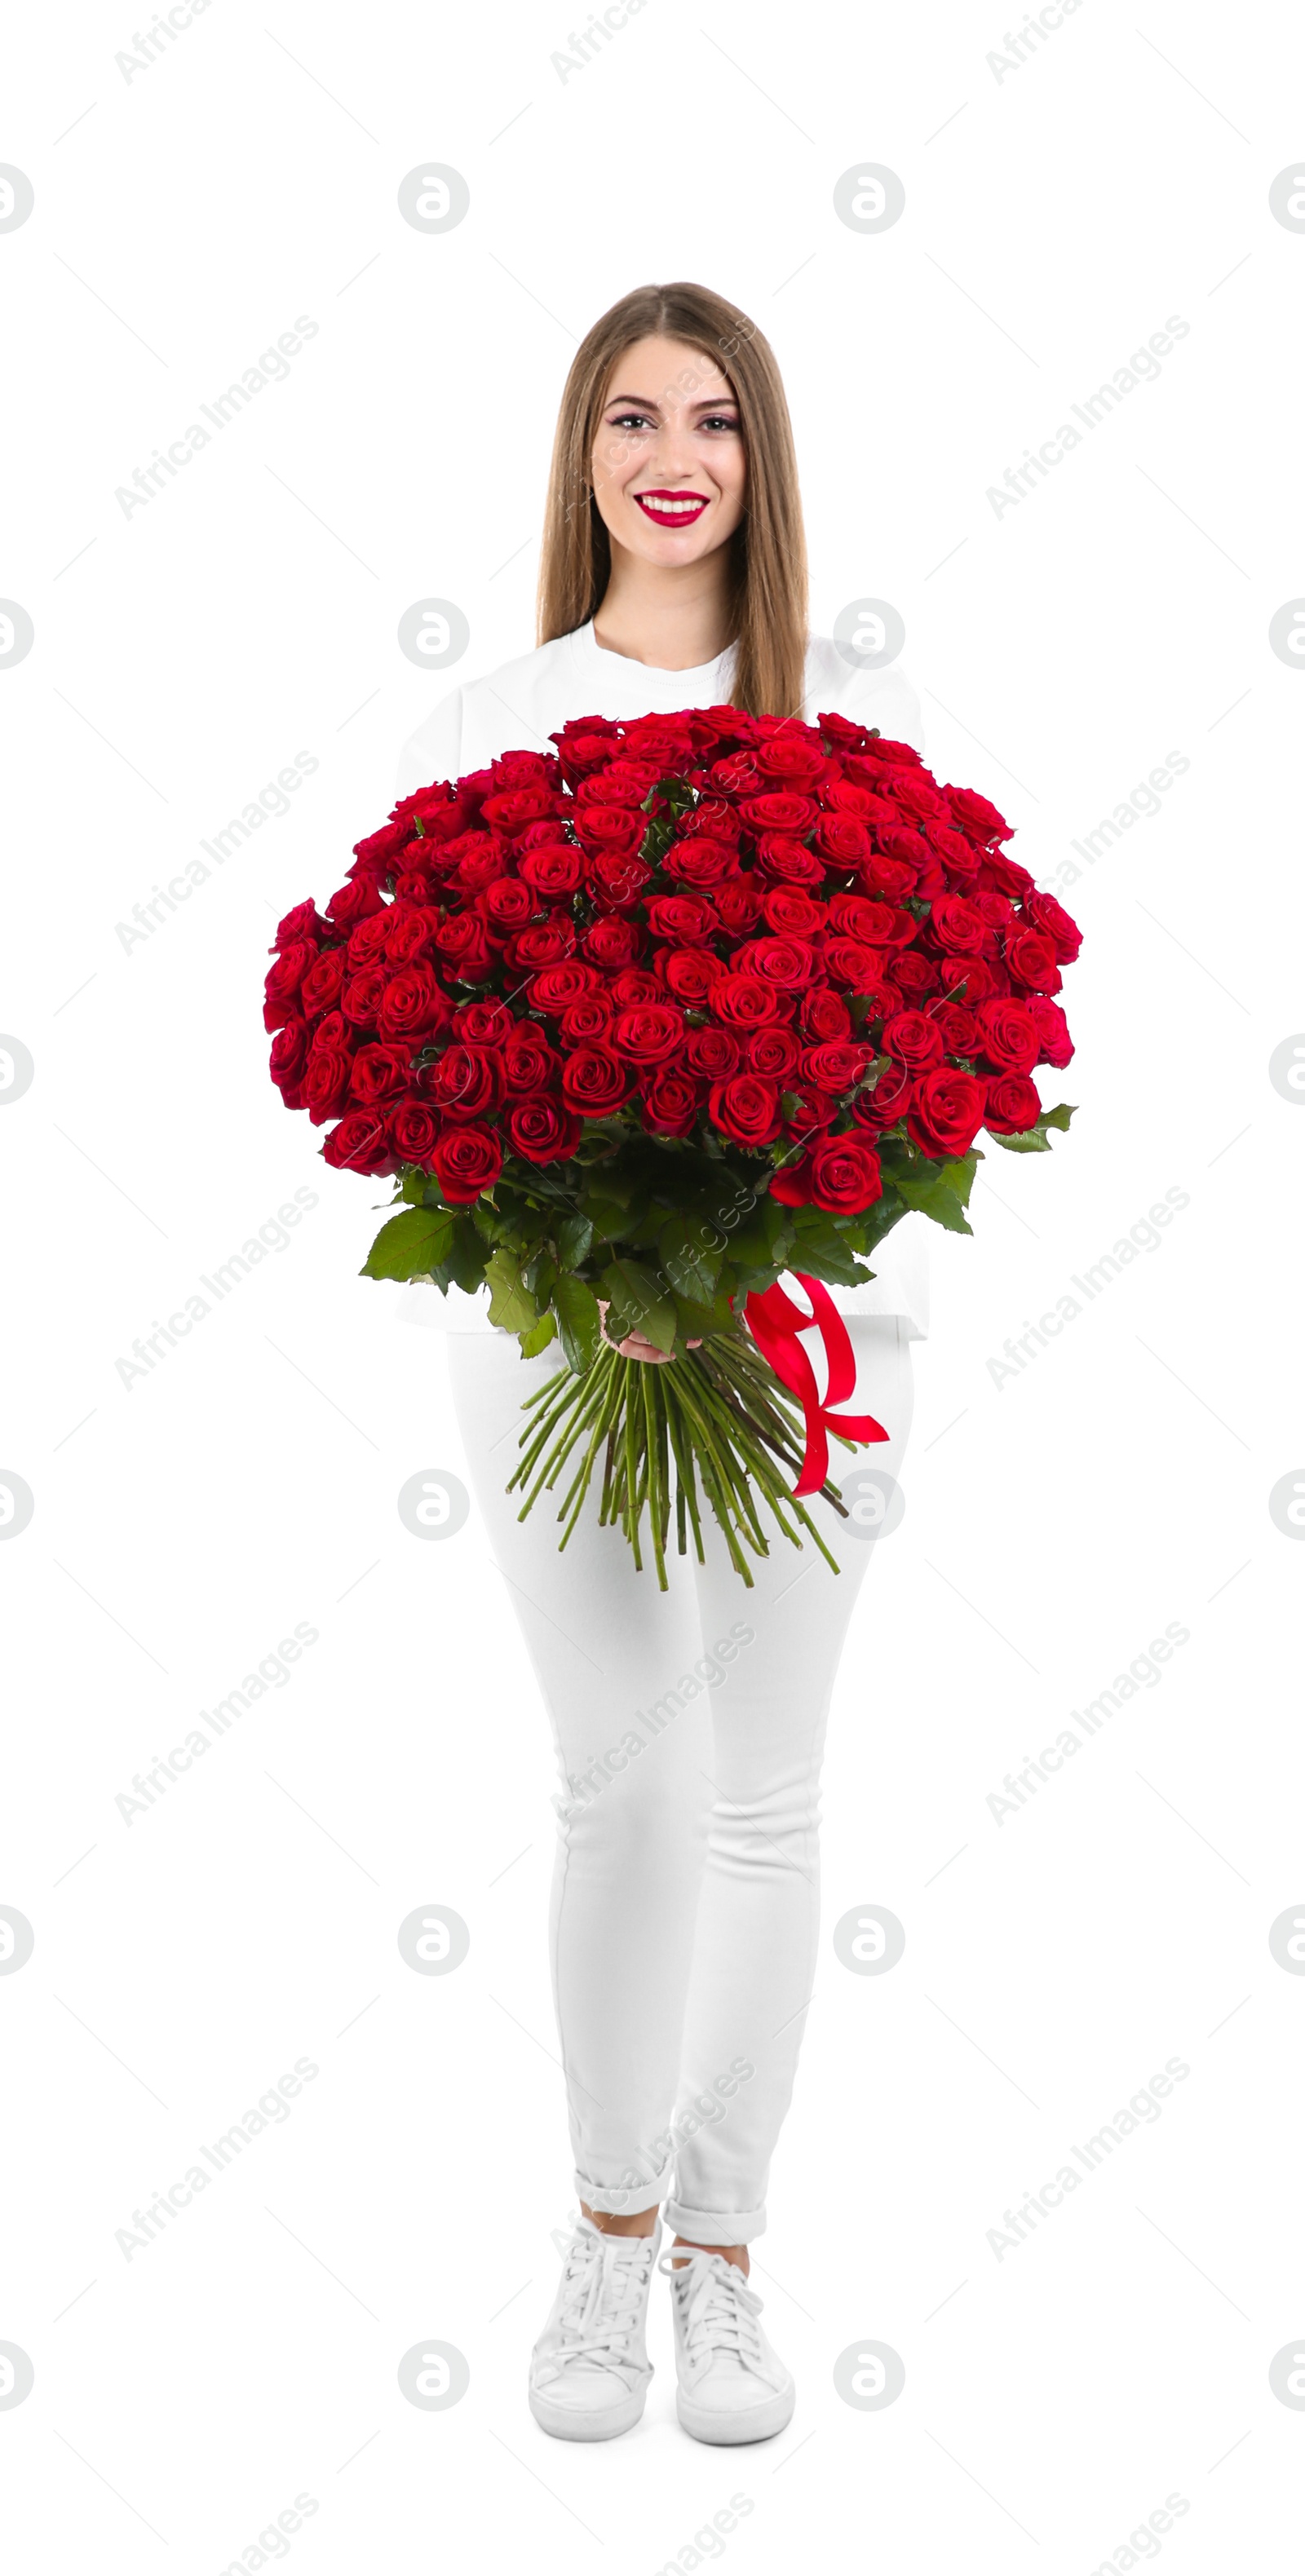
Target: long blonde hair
(768,556)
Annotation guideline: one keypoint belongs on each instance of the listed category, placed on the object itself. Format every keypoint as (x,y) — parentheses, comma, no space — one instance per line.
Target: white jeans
(689,1728)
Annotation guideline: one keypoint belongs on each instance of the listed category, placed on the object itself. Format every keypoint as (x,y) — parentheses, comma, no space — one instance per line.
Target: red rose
(843,1175)
(649,1034)
(668,1099)
(467,1082)
(957,924)
(683,919)
(789,1184)
(508,904)
(979,820)
(911,976)
(835,1066)
(787,964)
(616,877)
(738,903)
(554,871)
(326,1083)
(960,1028)
(699,861)
(365,945)
(380,1073)
(813,1107)
(289,1052)
(824,1015)
(1006,873)
(414,1133)
(959,856)
(413,886)
(790,758)
(303,921)
(466,1161)
(913,1039)
(518,807)
(614,942)
(541,1130)
(780,813)
(968,978)
(411,934)
(359,1144)
(1054,1040)
(557,987)
(743,1001)
(889,1101)
(584,1022)
(786,861)
(321,987)
(610,827)
(712,1054)
(746,1109)
(1008,1034)
(773,1053)
(688,974)
(283,979)
(595,1081)
(412,1005)
(1055,924)
(545,943)
(850,962)
(946,1111)
(529,1063)
(482,1024)
(916,794)
(353,902)
(842,840)
(856,916)
(634,984)
(462,943)
(1031,960)
(792,913)
(1013,1104)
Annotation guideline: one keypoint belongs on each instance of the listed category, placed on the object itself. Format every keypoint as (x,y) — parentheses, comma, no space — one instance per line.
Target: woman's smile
(672,509)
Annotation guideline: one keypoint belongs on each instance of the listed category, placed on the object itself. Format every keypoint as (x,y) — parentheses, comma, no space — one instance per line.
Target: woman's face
(668,463)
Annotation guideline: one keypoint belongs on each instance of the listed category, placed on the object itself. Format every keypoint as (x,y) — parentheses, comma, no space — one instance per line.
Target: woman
(685,1908)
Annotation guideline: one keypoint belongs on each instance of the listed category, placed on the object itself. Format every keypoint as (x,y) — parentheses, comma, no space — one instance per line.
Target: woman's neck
(672,620)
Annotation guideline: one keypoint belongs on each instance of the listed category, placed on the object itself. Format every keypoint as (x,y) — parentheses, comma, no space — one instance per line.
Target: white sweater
(517,708)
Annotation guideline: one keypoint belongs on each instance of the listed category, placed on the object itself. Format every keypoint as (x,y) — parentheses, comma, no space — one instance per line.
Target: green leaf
(943,1206)
(464,1262)
(574,1237)
(607,1220)
(538,1337)
(690,1258)
(1035,1140)
(576,1309)
(830,1257)
(1060,1116)
(411,1245)
(510,1301)
(639,1303)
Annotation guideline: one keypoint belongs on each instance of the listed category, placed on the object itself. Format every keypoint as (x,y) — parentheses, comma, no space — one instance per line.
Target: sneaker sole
(574,2424)
(751,2424)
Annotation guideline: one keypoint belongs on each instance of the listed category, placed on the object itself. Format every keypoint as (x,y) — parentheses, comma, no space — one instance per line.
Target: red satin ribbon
(774,1323)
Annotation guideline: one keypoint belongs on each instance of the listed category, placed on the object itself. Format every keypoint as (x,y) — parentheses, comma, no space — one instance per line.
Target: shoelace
(604,2285)
(720,2312)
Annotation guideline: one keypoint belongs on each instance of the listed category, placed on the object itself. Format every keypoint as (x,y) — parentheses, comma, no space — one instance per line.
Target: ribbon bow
(774,1323)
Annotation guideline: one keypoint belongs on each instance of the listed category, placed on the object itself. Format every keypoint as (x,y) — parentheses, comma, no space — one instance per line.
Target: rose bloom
(303,921)
(967,978)
(946,1112)
(545,943)
(289,1053)
(713,1054)
(541,1130)
(773,1053)
(979,820)
(843,1175)
(616,877)
(411,1004)
(555,988)
(738,903)
(889,1101)
(1055,1042)
(466,1161)
(326,1083)
(788,964)
(959,1026)
(321,986)
(850,962)
(353,902)
(613,942)
(1008,1035)
(508,905)
(463,944)
(683,919)
(1031,960)
(786,861)
(595,1081)
(699,862)
(1046,915)
(791,760)
(746,1109)
(482,1024)
(529,1063)
(365,945)
(465,1083)
(1013,1104)
(414,1132)
(359,1144)
(583,1022)
(380,1073)
(824,1015)
(792,913)
(842,841)
(835,1066)
(913,1039)
(780,813)
(557,870)
(744,1002)
(411,934)
(610,827)
(688,974)
(282,982)
(649,1034)
(668,1099)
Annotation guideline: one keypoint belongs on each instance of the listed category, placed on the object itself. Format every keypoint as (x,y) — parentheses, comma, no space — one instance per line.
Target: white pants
(689,1728)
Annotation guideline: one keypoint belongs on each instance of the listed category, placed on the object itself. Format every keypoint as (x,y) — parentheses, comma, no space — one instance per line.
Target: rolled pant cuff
(715,2226)
(625,2200)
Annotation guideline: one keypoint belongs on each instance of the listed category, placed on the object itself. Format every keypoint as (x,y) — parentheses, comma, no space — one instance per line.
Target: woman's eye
(718,420)
(629,420)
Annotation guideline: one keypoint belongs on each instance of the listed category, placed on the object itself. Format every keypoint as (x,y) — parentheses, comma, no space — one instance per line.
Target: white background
(1055,218)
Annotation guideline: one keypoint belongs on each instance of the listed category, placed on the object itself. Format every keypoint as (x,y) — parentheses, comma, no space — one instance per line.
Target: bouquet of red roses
(643,1025)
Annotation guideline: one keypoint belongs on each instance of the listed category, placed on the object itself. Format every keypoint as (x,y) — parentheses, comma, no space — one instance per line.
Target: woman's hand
(637,1346)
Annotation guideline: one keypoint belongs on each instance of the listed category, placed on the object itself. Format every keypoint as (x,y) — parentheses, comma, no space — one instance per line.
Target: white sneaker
(589,2371)
(732,2386)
